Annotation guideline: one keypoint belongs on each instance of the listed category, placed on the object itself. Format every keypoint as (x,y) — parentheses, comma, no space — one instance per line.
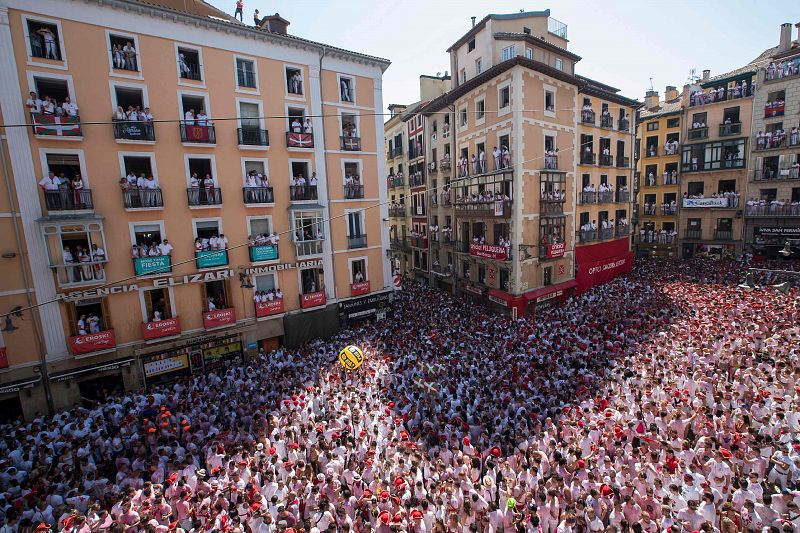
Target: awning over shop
(73,373)
(536,294)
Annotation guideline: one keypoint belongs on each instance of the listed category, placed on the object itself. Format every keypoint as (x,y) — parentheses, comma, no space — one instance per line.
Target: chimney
(786,37)
(275,23)
(706,75)
(671,93)
(473,21)
(651,99)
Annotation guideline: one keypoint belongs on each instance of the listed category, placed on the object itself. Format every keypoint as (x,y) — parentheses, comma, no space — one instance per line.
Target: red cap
(416,514)
(726,453)
(495,451)
(466,441)
(367,494)
(384,494)
(385,518)
(42,527)
(581,463)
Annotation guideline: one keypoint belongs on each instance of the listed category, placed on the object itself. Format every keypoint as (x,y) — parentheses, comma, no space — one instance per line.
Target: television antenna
(693,77)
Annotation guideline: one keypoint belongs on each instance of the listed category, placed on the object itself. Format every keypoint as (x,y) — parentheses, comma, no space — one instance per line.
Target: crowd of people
(783,68)
(775,138)
(665,401)
(663,236)
(737,90)
(267,296)
(211,243)
(137,114)
(49,105)
(484,196)
(154,248)
(774,206)
(732,197)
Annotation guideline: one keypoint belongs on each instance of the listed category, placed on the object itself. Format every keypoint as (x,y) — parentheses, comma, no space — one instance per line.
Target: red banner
(556,250)
(398,282)
(197,133)
(92,342)
(489,251)
(220,317)
(603,271)
(3,357)
(312,299)
(359,288)
(269,308)
(300,140)
(161,328)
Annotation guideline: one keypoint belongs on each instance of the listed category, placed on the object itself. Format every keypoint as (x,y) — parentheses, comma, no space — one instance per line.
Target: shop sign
(489,251)
(267,269)
(161,328)
(356,308)
(269,308)
(19,386)
(219,317)
(473,290)
(550,296)
(166,364)
(780,231)
(93,342)
(499,301)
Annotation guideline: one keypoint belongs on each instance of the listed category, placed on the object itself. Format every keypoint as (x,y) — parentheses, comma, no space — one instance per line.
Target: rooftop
(510,16)
(663,108)
(761,61)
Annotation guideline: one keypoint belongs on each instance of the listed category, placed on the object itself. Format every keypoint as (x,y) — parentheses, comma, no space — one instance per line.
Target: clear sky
(623,43)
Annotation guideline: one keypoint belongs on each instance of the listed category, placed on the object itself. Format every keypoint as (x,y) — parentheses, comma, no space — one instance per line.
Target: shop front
(597,264)
(710,250)
(192,357)
(11,398)
(95,382)
(548,296)
(773,241)
(372,307)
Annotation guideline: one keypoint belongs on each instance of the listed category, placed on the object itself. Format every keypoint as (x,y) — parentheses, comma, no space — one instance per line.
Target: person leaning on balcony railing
(70,108)
(587,112)
(33,103)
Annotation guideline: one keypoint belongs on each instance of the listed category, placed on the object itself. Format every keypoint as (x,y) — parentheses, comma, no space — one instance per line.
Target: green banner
(211,258)
(158,264)
(263,253)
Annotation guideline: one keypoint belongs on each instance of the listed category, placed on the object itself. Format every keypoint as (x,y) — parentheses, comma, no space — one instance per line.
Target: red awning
(502,295)
(543,291)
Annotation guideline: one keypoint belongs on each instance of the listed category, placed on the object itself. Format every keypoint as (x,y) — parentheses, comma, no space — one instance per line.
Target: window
(77,252)
(88,316)
(730,115)
(129,98)
(529,53)
(505,97)
(463,116)
(547,276)
(44,40)
(307,227)
(559,64)
(294,81)
(347,89)
(265,283)
(480,109)
(53,89)
(356,238)
(215,295)
(195,104)
(652,126)
(695,188)
(549,101)
(245,73)
(312,280)
(509,52)
(358,271)
(124,55)
(150,250)
(157,304)
(189,64)
(471,45)
(673,122)
(462,75)
(478,66)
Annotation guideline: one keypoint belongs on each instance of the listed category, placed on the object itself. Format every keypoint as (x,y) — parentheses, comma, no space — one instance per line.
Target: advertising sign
(269,308)
(219,317)
(489,251)
(92,342)
(161,328)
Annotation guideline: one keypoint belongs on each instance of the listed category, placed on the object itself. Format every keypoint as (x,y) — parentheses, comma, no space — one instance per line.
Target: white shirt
(50,185)
(165,248)
(34,105)
(70,108)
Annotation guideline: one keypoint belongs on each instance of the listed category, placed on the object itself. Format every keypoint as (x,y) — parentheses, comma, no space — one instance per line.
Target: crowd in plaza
(665,401)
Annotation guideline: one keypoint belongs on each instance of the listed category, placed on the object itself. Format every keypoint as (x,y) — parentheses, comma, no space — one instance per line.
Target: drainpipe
(26,280)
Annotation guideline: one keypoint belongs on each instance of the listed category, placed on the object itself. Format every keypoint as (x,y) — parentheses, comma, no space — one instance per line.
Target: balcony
(444,164)
(400,243)
(396,181)
(606,233)
(623,162)
(624,124)
(149,266)
(551,162)
(698,133)
(299,140)
(302,193)
(356,241)
(67,200)
(349,144)
(493,209)
(649,210)
(606,160)
(353,192)
(312,299)
(652,237)
(309,247)
(445,199)
(772,210)
(417,179)
(720,94)
(134,131)
(670,179)
(605,197)
(587,197)
(419,242)
(78,273)
(359,288)
(93,342)
(219,318)
(651,151)
(588,158)
(734,128)
(695,234)
(723,235)
(68,127)
(774,109)
(398,151)
(622,231)
(142,199)
(589,235)
(158,329)
(398,211)
(263,252)
(769,141)
(252,137)
(270,308)
(552,251)
(195,134)
(211,258)
(200,196)
(668,210)
(623,197)
(588,116)
(768,174)
(550,207)
(606,121)
(258,195)
(672,148)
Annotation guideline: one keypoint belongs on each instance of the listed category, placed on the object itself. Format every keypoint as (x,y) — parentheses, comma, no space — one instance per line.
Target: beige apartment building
(507,215)
(249,213)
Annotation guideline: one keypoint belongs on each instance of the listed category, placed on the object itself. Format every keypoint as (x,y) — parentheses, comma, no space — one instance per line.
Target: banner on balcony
(498,208)
(56,126)
(359,288)
(198,134)
(705,202)
(352,143)
(161,328)
(152,265)
(218,318)
(269,308)
(489,251)
(312,299)
(135,130)
(299,140)
(264,253)
(212,258)
(81,344)
(556,250)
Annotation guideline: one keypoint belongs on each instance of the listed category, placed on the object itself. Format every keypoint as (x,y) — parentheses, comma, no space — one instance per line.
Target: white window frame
(150,155)
(545,90)
(358,162)
(286,107)
(55,151)
(529,53)
(206,104)
(117,73)
(512,52)
(558,63)
(201,83)
(245,90)
(287,94)
(462,113)
(507,109)
(478,66)
(262,160)
(250,218)
(357,117)
(143,305)
(213,159)
(275,277)
(33,75)
(218,220)
(132,228)
(311,169)
(480,120)
(261,124)
(33,61)
(352,79)
(127,85)
(351,260)
(361,214)
(462,75)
